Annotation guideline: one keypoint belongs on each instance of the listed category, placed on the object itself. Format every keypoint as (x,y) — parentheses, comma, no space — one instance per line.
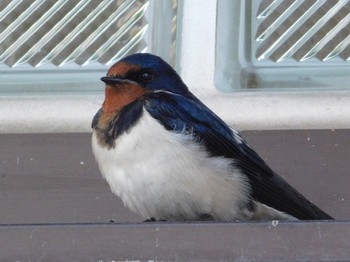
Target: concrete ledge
(242,110)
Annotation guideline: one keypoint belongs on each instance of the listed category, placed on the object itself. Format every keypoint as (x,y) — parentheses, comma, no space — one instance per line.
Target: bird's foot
(152,219)
(206,217)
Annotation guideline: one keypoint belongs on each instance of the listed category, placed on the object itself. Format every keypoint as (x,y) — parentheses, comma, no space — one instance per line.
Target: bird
(170,158)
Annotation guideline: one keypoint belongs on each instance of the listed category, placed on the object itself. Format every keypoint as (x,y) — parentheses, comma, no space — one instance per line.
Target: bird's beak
(112,80)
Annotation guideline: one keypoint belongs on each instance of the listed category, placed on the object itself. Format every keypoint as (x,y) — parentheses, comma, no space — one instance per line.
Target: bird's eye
(146,76)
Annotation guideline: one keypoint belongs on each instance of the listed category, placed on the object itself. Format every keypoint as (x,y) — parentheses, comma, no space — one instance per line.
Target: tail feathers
(278,194)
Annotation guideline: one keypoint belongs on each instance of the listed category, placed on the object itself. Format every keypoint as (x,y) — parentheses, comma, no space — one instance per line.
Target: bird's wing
(187,114)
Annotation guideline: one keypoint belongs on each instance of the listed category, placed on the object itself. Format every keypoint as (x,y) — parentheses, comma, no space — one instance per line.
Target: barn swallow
(169,157)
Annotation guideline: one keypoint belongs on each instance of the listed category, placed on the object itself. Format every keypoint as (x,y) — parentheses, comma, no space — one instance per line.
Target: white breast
(169,176)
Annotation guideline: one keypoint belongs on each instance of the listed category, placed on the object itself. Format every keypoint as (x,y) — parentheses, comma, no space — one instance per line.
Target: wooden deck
(54,206)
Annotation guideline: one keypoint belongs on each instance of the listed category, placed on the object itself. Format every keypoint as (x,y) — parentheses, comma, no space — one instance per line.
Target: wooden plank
(265,241)
(54,206)
(53,178)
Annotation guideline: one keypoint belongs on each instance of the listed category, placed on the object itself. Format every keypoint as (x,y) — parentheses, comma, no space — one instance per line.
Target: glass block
(60,45)
(283,44)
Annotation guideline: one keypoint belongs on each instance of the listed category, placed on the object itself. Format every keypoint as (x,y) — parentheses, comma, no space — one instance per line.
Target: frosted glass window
(59,45)
(283,44)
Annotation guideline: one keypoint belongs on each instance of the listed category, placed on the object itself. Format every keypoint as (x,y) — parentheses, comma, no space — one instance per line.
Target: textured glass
(82,36)
(302,30)
(284,44)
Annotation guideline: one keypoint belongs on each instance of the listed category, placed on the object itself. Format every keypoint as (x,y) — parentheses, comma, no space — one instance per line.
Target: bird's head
(135,76)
